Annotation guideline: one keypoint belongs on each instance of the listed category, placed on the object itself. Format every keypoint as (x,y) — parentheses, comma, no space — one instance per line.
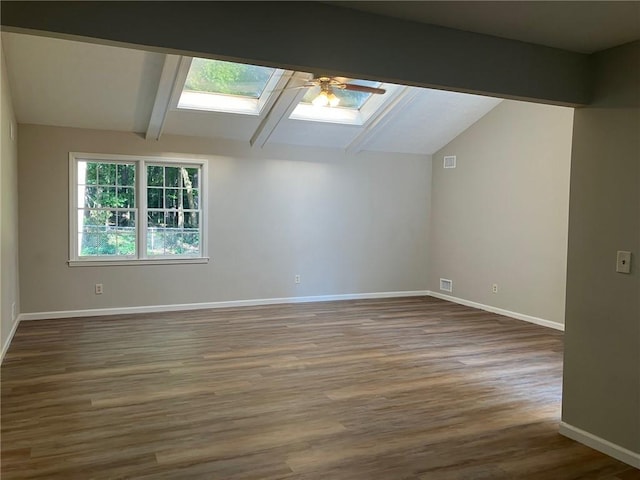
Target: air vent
(450,161)
(446,285)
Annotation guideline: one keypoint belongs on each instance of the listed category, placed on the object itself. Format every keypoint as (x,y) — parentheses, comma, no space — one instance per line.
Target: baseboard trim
(224,304)
(7,342)
(500,311)
(600,444)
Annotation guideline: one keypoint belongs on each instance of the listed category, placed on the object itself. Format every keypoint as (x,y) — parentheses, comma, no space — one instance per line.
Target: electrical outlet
(296,279)
(13,312)
(99,289)
(494,288)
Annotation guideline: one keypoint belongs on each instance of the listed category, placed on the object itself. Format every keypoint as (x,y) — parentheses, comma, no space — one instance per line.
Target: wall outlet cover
(623,262)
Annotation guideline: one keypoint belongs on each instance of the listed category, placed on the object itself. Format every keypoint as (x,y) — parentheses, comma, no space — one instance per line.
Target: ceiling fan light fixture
(322,100)
(326,97)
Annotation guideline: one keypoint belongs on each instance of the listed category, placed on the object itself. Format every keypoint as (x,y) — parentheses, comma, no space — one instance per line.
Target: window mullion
(142,209)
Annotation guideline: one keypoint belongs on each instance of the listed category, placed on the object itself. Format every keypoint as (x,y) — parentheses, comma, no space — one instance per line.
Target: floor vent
(450,161)
(446,285)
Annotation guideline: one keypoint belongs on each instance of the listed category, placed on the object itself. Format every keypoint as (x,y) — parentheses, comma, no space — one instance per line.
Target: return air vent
(450,161)
(446,285)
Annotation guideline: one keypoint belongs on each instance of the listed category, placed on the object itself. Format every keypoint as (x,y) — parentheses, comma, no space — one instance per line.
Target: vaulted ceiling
(91,85)
(85,85)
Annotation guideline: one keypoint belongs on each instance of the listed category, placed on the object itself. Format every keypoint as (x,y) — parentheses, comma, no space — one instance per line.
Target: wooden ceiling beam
(164,94)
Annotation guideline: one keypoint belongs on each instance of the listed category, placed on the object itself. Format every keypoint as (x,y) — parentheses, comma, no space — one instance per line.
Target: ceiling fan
(326,97)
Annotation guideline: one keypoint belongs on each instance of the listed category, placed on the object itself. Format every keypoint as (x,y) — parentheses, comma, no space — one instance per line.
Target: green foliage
(109,242)
(155,175)
(228,78)
(172,188)
(109,185)
(170,241)
(107,232)
(108,226)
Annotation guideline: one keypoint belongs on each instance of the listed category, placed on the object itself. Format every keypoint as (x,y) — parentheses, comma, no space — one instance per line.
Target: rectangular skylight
(227,78)
(348,98)
(216,85)
(354,108)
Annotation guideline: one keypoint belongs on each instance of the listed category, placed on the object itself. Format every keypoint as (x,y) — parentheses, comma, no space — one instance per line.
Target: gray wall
(501,215)
(345,223)
(602,341)
(9,293)
(282,34)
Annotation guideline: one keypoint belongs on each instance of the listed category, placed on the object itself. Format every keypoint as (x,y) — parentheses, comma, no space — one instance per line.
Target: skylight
(227,78)
(220,86)
(354,108)
(348,99)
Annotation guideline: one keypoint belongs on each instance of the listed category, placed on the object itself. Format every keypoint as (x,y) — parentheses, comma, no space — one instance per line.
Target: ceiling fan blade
(362,88)
(299,87)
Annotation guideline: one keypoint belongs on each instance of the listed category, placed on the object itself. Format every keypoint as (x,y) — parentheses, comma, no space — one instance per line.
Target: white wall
(9,293)
(345,223)
(501,215)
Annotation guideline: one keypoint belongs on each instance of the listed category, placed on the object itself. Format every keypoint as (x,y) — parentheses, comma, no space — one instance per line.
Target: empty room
(320,240)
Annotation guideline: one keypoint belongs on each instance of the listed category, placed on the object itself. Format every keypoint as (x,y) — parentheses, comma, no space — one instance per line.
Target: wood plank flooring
(411,388)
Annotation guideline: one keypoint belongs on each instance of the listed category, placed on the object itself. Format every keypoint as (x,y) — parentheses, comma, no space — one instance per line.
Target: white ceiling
(84,85)
(579,26)
(74,84)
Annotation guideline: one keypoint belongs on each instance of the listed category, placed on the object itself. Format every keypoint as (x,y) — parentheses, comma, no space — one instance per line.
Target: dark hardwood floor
(412,388)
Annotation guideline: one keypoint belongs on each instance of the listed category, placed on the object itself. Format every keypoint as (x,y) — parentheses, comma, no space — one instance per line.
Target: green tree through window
(108,211)
(228,78)
(173,216)
(109,214)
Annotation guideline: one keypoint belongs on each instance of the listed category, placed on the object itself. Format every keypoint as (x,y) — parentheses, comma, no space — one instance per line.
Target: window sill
(149,261)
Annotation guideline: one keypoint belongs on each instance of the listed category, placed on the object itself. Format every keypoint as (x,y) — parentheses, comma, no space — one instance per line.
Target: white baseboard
(94,312)
(7,342)
(226,304)
(600,444)
(500,311)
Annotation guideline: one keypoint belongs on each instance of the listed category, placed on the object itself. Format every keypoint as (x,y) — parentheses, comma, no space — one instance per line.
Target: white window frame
(141,163)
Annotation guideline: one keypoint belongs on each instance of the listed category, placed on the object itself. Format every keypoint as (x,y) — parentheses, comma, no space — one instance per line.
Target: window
(348,98)
(230,87)
(355,108)
(134,209)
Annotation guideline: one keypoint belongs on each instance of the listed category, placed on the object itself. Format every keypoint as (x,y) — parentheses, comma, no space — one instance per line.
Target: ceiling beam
(286,101)
(382,117)
(164,94)
(280,34)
